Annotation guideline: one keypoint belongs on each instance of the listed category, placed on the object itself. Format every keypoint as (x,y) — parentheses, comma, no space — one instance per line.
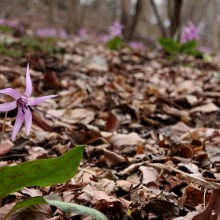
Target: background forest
(144,20)
(109,109)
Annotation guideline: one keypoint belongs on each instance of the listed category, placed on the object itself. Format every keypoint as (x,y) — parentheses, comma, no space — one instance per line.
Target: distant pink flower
(11,23)
(205,49)
(23,103)
(116,29)
(2,21)
(51,32)
(63,34)
(82,32)
(189,32)
(137,45)
(46,32)
(104,37)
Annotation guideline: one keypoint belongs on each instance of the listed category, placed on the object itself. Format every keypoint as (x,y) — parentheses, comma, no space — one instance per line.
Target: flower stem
(3,128)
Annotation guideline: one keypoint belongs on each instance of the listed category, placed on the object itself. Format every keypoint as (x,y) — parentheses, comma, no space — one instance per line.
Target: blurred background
(142,20)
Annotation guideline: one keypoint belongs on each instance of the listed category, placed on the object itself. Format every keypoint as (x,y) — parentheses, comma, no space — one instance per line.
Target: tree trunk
(174,12)
(72,16)
(140,25)
(125,16)
(159,21)
(52,11)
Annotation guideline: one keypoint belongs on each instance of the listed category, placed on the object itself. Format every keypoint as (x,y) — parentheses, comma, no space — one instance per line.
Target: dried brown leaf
(38,212)
(150,174)
(5,147)
(113,159)
(119,140)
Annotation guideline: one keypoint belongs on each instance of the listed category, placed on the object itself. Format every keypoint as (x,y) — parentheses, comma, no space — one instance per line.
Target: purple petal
(28,120)
(39,100)
(5,107)
(28,90)
(18,123)
(11,92)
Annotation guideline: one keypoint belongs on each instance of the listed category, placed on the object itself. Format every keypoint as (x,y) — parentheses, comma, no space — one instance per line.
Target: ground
(149,122)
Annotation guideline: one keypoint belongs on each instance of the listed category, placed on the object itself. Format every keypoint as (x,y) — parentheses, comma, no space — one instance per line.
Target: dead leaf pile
(150,126)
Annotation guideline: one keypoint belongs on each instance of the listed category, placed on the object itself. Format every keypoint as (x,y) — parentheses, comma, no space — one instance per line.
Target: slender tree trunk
(159,21)
(215,28)
(125,16)
(174,12)
(140,27)
(135,19)
(72,16)
(52,11)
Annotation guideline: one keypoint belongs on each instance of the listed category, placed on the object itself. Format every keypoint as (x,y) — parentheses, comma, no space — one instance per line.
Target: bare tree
(159,20)
(125,16)
(52,11)
(141,20)
(72,16)
(174,14)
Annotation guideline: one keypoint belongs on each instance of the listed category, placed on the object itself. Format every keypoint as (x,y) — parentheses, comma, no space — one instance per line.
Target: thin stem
(3,128)
(1,137)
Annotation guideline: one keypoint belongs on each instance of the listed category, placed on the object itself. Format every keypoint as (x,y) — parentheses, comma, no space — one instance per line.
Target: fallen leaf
(207,108)
(112,122)
(119,140)
(31,192)
(32,212)
(113,159)
(150,175)
(5,147)
(212,210)
(162,208)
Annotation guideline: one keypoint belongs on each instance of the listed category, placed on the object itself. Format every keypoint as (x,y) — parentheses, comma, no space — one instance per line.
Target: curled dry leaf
(106,185)
(52,80)
(130,168)
(210,107)
(119,140)
(112,122)
(193,197)
(32,212)
(4,210)
(212,210)
(95,62)
(5,147)
(36,153)
(125,185)
(200,134)
(113,159)
(3,81)
(31,192)
(92,195)
(72,116)
(42,122)
(162,208)
(150,175)
(193,168)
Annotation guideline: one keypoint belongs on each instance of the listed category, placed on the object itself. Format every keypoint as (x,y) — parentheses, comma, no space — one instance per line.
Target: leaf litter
(150,126)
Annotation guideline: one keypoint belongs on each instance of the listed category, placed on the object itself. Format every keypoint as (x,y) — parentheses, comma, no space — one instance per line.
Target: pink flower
(189,32)
(137,45)
(116,29)
(23,103)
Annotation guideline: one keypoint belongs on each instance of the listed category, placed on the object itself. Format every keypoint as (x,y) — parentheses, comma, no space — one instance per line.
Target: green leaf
(188,47)
(169,45)
(115,43)
(69,207)
(64,206)
(6,29)
(32,201)
(43,172)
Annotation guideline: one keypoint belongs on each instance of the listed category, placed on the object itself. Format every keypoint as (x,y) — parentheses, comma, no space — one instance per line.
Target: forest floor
(149,122)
